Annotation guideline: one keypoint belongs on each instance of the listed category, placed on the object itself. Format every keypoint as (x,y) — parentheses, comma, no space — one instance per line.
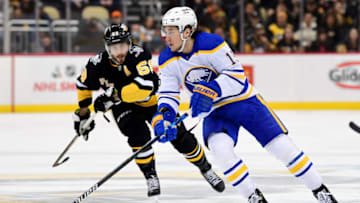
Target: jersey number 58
(144,68)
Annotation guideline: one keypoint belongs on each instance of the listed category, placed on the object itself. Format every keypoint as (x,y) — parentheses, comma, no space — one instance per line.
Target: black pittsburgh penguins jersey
(134,80)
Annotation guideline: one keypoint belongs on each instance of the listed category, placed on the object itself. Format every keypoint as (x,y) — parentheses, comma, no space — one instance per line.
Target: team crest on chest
(196,74)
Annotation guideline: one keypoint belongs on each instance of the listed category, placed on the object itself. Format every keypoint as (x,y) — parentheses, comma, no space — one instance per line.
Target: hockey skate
(153,186)
(323,195)
(257,197)
(214,180)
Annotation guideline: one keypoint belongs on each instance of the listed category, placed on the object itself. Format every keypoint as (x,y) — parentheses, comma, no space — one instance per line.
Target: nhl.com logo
(346,75)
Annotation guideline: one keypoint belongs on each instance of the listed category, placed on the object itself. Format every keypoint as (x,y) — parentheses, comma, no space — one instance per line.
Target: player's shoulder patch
(96,59)
(208,41)
(136,51)
(166,56)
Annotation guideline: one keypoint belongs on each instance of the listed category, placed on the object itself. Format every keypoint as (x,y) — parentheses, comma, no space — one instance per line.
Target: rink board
(6,79)
(46,83)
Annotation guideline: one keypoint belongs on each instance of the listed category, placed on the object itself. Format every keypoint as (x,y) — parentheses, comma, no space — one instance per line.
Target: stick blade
(57,163)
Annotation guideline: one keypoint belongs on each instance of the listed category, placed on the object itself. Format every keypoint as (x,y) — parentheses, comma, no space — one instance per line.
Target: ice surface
(30,143)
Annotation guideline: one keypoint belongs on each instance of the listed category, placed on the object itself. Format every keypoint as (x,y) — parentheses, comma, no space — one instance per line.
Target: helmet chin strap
(111,56)
(184,42)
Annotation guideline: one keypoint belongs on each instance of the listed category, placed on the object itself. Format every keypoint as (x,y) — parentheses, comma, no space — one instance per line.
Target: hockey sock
(146,161)
(198,158)
(283,148)
(235,170)
(187,144)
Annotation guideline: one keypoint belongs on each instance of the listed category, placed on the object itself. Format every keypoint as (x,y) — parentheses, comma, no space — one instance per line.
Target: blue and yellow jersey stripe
(236,99)
(212,45)
(283,128)
(236,74)
(173,98)
(161,66)
(300,165)
(211,50)
(237,174)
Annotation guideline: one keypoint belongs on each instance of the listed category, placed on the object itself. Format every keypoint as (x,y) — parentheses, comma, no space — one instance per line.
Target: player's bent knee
(221,146)
(283,148)
(218,141)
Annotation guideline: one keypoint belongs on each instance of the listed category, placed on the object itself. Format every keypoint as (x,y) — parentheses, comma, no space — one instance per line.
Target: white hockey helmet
(181,17)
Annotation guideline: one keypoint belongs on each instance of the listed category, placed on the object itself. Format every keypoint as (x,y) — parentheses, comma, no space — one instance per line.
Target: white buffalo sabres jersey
(210,59)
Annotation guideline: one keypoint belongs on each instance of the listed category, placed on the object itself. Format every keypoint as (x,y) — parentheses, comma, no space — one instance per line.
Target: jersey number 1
(231,59)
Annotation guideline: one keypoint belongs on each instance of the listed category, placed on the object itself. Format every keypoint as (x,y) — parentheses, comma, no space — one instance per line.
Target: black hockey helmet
(117,33)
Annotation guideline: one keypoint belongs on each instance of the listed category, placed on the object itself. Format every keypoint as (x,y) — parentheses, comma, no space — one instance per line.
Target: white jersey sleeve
(169,90)
(231,78)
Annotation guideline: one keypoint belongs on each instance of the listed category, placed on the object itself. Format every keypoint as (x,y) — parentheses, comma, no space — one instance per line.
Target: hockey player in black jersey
(125,73)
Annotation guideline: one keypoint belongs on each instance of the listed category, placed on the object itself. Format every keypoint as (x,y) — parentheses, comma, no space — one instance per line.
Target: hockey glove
(203,96)
(79,122)
(161,122)
(106,100)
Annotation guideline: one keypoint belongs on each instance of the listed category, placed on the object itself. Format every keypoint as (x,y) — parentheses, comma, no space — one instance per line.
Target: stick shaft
(354,126)
(113,172)
(56,163)
(123,164)
(86,125)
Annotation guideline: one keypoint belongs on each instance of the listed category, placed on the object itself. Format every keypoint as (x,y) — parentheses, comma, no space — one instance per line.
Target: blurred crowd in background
(251,26)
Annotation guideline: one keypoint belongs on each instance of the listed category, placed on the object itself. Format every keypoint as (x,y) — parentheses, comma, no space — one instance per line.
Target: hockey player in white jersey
(220,93)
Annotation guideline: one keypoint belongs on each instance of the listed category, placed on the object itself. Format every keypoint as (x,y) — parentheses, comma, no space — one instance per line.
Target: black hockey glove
(79,122)
(106,100)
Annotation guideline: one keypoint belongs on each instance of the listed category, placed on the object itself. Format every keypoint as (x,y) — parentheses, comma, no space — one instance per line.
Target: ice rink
(30,143)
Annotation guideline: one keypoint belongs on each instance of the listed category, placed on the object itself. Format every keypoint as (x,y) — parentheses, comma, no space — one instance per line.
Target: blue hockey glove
(161,122)
(203,96)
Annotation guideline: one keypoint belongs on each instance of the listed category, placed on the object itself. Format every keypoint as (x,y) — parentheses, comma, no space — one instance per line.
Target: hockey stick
(86,125)
(355,127)
(123,164)
(58,162)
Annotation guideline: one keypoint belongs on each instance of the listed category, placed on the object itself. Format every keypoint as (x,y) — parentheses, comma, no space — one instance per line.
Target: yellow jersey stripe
(210,51)
(144,161)
(272,113)
(299,165)
(84,94)
(136,148)
(237,99)
(168,61)
(197,145)
(242,77)
(197,158)
(237,173)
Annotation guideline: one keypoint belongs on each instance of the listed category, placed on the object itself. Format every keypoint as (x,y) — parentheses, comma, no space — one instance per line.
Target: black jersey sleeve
(89,80)
(144,79)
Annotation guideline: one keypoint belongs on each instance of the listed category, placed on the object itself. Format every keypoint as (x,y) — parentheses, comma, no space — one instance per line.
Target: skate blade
(154,199)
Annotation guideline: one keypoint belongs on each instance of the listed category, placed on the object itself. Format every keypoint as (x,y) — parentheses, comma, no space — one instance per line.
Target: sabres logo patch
(196,74)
